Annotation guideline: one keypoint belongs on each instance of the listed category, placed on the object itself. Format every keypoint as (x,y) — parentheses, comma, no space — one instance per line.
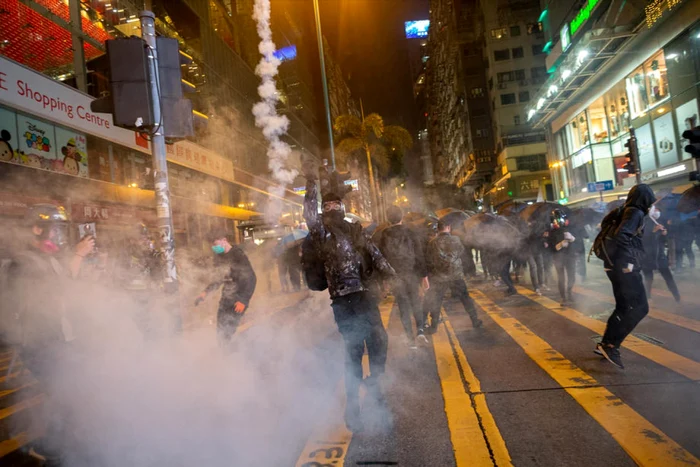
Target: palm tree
(380,144)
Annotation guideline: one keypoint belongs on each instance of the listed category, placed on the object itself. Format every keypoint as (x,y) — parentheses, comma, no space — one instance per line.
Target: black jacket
(628,235)
(654,247)
(444,258)
(349,257)
(404,251)
(237,277)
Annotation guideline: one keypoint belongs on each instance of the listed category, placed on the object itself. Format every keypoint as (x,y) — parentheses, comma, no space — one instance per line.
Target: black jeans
(359,322)
(565,264)
(631,305)
(227,321)
(505,276)
(436,294)
(295,276)
(668,277)
(405,291)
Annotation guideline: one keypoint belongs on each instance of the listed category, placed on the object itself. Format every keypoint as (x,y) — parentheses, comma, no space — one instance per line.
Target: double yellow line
(645,443)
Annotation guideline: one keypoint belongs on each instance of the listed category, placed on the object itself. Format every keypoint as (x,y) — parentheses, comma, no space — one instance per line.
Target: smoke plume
(266,117)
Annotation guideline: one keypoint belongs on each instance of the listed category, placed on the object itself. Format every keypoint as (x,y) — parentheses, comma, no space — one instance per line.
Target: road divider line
(23,405)
(671,318)
(469,443)
(11,445)
(644,442)
(329,443)
(674,362)
(7,392)
(495,440)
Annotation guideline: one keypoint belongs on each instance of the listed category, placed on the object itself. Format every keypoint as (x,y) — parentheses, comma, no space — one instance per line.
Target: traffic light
(340,188)
(632,161)
(131,95)
(693,146)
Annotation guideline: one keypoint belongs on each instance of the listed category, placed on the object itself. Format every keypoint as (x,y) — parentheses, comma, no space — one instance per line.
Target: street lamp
(319,36)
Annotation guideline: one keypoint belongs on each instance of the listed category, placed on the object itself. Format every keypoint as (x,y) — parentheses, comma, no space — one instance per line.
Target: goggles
(331,206)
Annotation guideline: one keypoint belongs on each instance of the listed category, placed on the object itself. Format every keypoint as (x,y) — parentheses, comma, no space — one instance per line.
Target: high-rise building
(614,66)
(516,70)
(53,64)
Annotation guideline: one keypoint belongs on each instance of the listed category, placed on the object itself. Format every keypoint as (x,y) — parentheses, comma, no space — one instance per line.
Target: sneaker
(352,417)
(511,292)
(598,351)
(611,354)
(477,323)
(431,329)
(421,338)
(498,283)
(413,345)
(538,292)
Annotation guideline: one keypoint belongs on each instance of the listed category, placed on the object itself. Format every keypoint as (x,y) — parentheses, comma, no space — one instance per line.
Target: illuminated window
(657,78)
(637,92)
(599,122)
(499,33)
(617,110)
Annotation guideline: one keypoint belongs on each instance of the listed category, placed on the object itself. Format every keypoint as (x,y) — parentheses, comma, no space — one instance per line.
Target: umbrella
(510,208)
(445,211)
(490,232)
(689,201)
(376,233)
(410,217)
(586,216)
(455,218)
(614,205)
(294,238)
(537,215)
(668,204)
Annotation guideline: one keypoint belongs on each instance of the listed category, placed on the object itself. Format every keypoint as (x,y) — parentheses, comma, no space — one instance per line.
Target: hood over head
(641,197)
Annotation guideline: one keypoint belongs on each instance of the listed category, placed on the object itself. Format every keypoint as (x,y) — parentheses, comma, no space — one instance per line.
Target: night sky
(367,38)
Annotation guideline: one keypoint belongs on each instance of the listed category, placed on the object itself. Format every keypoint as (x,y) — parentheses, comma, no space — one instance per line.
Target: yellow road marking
(645,443)
(677,320)
(23,405)
(7,392)
(469,438)
(665,293)
(328,444)
(16,442)
(674,362)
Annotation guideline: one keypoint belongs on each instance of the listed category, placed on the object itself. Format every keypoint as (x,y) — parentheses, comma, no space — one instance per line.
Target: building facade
(615,66)
(516,70)
(52,66)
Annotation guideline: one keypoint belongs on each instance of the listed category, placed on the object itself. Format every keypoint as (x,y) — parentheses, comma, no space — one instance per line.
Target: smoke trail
(266,117)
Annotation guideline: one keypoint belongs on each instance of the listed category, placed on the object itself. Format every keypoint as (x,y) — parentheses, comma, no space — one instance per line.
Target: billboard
(417,29)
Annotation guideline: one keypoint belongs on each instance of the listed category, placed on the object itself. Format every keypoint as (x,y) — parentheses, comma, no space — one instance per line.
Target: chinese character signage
(197,158)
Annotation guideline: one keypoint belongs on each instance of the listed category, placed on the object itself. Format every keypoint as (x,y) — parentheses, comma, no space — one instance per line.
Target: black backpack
(604,245)
(312,263)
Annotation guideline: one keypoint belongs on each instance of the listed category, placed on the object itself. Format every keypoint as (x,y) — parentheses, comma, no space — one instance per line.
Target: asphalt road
(525,390)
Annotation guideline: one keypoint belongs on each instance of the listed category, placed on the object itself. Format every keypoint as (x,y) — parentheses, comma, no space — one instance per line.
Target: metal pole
(160,165)
(319,36)
(77,42)
(372,187)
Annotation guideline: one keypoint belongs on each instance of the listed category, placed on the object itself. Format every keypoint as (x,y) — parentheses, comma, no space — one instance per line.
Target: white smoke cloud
(266,117)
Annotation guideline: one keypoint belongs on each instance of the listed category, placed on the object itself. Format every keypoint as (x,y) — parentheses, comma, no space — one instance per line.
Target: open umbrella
(538,215)
(668,204)
(689,202)
(614,205)
(454,218)
(443,212)
(377,232)
(510,208)
(490,232)
(586,216)
(294,238)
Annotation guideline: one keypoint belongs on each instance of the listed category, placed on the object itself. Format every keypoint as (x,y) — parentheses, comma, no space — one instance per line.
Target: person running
(444,260)
(346,254)
(655,258)
(624,253)
(238,279)
(560,241)
(402,248)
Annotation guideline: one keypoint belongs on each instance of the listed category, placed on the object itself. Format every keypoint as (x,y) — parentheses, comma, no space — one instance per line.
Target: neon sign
(582,16)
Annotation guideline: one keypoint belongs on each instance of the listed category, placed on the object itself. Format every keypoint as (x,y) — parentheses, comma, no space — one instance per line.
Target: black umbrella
(490,232)
(689,201)
(510,208)
(586,216)
(614,205)
(668,205)
(538,215)
(454,218)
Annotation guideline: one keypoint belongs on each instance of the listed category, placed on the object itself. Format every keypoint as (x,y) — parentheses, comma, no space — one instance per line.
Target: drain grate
(647,338)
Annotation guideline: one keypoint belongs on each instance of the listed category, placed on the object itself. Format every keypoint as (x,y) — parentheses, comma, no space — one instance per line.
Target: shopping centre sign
(582,16)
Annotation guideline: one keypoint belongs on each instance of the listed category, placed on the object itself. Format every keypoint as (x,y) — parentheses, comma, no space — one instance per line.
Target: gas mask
(53,238)
(333,212)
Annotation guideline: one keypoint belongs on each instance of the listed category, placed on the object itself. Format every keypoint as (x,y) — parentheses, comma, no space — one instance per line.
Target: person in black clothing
(402,248)
(560,242)
(655,258)
(293,263)
(238,280)
(349,258)
(444,260)
(623,267)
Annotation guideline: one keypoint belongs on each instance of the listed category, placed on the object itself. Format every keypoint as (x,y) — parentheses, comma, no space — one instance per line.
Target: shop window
(603,162)
(581,170)
(507,99)
(514,31)
(617,110)
(518,52)
(524,96)
(500,55)
(599,122)
(499,33)
(645,145)
(678,56)
(657,78)
(578,132)
(637,92)
(666,142)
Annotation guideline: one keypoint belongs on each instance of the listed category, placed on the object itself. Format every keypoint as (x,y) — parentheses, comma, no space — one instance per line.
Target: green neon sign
(582,16)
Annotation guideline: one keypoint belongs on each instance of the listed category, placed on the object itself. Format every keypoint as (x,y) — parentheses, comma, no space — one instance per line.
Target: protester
(43,277)
(292,262)
(622,263)
(655,258)
(444,261)
(347,254)
(560,242)
(402,248)
(238,279)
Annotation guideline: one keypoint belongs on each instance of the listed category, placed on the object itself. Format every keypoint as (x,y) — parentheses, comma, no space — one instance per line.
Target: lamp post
(319,36)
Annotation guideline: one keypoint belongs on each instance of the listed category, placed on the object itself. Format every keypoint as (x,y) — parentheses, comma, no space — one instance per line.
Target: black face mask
(333,217)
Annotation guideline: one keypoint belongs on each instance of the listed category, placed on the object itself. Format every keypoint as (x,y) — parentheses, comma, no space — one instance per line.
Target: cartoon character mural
(71,158)
(6,151)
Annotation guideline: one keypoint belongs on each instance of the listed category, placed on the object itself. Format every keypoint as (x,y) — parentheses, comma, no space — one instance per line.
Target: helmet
(333,205)
(53,222)
(558,219)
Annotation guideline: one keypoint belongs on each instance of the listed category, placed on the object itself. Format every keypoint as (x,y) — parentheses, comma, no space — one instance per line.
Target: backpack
(399,249)
(603,245)
(312,263)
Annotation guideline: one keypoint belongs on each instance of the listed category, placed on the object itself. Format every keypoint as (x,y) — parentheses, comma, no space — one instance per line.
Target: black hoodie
(628,235)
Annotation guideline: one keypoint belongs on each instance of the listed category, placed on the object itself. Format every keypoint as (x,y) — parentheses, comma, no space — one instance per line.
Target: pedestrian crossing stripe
(671,318)
(473,443)
(664,357)
(643,442)
(11,445)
